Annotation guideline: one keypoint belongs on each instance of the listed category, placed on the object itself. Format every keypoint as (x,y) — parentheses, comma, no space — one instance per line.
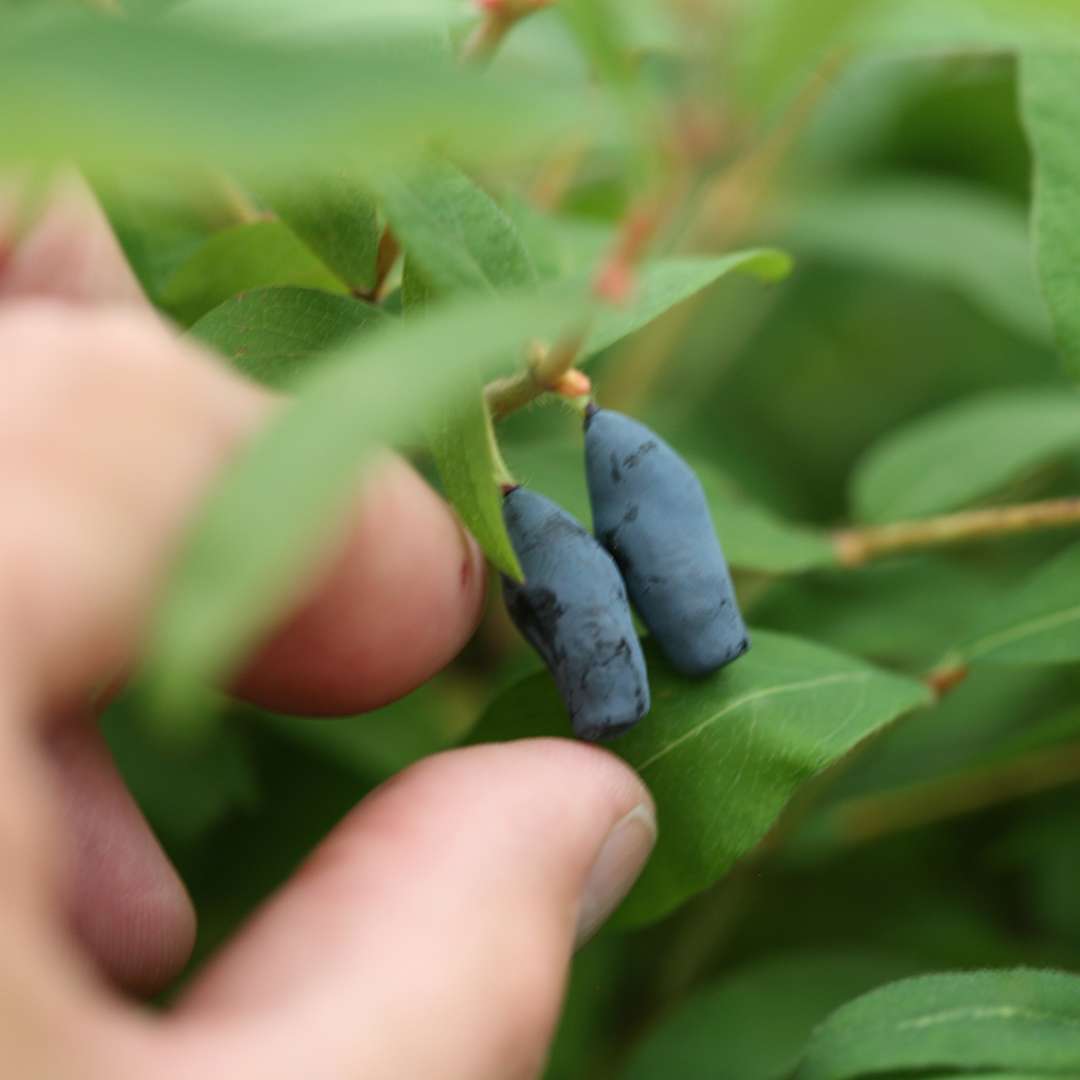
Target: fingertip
(398,601)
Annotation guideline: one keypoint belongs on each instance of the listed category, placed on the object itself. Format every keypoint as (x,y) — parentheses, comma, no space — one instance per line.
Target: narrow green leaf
(277,507)
(286,20)
(1038,623)
(664,283)
(964,452)
(463,446)
(724,755)
(272,334)
(753,1024)
(785,39)
(121,94)
(971,1023)
(458,239)
(953,234)
(240,258)
(753,538)
(1051,116)
(335,216)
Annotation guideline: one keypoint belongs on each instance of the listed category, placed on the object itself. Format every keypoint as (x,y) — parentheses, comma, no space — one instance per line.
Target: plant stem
(543,373)
(733,201)
(498,17)
(854,547)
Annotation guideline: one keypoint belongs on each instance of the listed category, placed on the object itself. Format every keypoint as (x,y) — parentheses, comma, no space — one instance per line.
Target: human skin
(431,931)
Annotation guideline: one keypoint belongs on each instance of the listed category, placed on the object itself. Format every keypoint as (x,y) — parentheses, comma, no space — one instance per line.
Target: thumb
(430,935)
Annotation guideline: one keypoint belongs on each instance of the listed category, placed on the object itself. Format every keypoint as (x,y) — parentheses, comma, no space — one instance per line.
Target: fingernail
(621,859)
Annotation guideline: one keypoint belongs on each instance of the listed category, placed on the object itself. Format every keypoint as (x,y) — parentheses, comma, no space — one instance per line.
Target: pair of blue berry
(655,546)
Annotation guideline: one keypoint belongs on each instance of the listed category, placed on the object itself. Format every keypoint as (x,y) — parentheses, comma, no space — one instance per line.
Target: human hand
(429,935)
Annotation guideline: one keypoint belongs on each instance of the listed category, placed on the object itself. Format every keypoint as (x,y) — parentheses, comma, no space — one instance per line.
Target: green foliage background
(827,827)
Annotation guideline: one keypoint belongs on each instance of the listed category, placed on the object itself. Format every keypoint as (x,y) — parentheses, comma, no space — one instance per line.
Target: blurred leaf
(1051,115)
(753,538)
(123,95)
(183,790)
(156,232)
(723,756)
(993,716)
(335,216)
(840,357)
(970,1024)
(252,852)
(1041,845)
(327,20)
(559,245)
(955,456)
(956,235)
(271,334)
(599,28)
(238,259)
(906,612)
(918,26)
(385,741)
(754,1023)
(785,39)
(1037,623)
(458,239)
(278,507)
(663,283)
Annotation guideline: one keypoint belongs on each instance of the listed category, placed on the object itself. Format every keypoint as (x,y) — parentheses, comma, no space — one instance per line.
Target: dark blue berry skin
(650,512)
(572,609)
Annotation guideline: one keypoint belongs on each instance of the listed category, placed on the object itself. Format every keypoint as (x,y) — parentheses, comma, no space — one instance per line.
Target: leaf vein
(752,699)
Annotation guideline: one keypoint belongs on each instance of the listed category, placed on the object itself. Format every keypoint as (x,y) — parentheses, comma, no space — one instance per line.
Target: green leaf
(275,510)
(560,245)
(163,96)
(458,239)
(241,258)
(965,452)
(1051,116)
(754,1023)
(376,745)
(183,790)
(157,232)
(664,283)
(271,334)
(328,20)
(724,755)
(335,216)
(784,40)
(930,601)
(753,538)
(989,1021)
(1037,623)
(956,235)
(454,232)
(464,448)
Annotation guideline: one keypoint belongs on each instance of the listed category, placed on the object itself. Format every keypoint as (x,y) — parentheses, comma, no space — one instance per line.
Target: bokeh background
(902,187)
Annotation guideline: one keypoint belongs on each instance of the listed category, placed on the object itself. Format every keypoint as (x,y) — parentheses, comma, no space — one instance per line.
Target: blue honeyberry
(649,511)
(572,608)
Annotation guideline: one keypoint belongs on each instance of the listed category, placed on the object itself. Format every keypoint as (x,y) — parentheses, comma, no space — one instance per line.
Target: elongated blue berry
(650,512)
(572,608)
